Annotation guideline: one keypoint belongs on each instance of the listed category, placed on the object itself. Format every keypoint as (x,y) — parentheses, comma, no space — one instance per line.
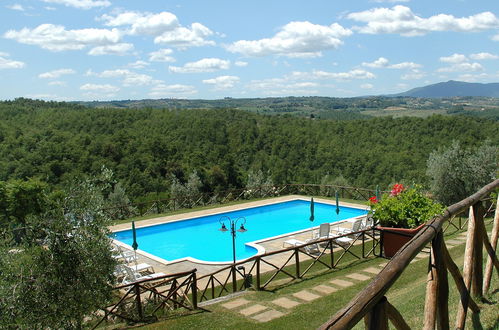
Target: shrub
(404,208)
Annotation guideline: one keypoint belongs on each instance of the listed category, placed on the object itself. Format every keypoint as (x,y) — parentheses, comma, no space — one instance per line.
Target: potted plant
(401,214)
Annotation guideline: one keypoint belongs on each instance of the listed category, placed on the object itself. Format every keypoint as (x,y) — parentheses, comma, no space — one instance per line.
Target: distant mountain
(454,88)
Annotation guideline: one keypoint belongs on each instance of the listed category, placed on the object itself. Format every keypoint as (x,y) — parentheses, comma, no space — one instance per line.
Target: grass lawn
(407,295)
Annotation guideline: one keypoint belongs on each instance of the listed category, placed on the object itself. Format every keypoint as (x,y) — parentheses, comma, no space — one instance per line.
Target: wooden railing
(325,253)
(161,206)
(139,301)
(371,303)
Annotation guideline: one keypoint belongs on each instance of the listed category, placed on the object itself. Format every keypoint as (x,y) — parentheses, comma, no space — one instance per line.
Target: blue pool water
(201,239)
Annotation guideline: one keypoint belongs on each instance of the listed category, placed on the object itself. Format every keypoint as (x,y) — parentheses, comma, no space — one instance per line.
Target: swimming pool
(199,238)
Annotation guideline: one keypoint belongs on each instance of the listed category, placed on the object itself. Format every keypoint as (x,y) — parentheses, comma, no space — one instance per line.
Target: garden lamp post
(233,224)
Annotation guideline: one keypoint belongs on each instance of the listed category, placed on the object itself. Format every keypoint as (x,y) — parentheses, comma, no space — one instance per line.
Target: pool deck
(269,245)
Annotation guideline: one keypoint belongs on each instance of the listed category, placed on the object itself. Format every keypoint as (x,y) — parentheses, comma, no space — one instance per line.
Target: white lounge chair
(132,276)
(324,231)
(311,248)
(357,226)
(125,255)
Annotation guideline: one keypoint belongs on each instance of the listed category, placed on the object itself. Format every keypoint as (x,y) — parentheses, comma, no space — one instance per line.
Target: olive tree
(456,172)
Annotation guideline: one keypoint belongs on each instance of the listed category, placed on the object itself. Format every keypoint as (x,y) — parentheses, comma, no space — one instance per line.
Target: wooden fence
(371,303)
(139,301)
(189,201)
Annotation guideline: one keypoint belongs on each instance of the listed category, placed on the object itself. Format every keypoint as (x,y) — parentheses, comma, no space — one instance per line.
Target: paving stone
(358,277)
(460,238)
(286,302)
(422,255)
(372,270)
(267,316)
(305,295)
(341,283)
(326,289)
(383,264)
(453,241)
(235,303)
(252,309)
(449,246)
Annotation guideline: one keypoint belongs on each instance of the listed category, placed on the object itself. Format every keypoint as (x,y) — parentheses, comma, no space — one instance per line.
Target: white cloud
(120,49)
(389,1)
(317,74)
(283,86)
(164,26)
(454,58)
(163,90)
(6,63)
(367,86)
(384,63)
(100,88)
(496,37)
(81,4)
(473,77)
(222,82)
(241,63)
(56,73)
(401,20)
(162,55)
(295,39)
(130,78)
(138,64)
(204,65)
(16,6)
(379,63)
(413,75)
(462,67)
(57,38)
(57,83)
(483,56)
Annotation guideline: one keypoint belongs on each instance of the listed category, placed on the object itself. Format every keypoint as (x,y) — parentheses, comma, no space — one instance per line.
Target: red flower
(373,200)
(397,189)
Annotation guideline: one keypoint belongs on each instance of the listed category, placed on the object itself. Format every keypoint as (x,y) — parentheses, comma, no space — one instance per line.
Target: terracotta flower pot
(394,238)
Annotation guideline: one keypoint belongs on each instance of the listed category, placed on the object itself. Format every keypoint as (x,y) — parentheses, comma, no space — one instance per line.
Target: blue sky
(113,50)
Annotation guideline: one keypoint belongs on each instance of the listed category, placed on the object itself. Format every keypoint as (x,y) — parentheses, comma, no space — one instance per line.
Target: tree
(57,280)
(456,172)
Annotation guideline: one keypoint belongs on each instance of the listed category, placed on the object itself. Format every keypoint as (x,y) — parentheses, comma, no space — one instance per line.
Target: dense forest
(148,149)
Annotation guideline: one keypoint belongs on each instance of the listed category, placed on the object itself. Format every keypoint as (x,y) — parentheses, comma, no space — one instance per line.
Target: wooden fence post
(378,318)
(194,290)
(477,278)
(138,302)
(493,241)
(258,279)
(297,262)
(467,268)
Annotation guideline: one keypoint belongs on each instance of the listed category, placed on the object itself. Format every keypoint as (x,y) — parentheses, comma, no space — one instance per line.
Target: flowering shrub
(404,208)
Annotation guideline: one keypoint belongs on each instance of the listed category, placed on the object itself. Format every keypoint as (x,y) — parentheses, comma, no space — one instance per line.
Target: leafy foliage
(55,279)
(407,208)
(456,172)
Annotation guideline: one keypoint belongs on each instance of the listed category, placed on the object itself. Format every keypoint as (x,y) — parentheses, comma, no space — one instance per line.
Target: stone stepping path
(264,311)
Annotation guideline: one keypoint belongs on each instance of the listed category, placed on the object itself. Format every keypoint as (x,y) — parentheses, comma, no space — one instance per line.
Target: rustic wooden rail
(190,201)
(165,292)
(371,303)
(327,253)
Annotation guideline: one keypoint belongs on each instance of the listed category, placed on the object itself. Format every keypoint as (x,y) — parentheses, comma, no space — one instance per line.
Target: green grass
(407,295)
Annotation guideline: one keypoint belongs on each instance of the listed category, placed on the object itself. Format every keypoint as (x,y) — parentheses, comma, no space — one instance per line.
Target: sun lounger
(311,248)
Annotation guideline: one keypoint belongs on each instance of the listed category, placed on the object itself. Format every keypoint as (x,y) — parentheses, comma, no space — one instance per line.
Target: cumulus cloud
(496,37)
(483,56)
(106,88)
(203,65)
(56,73)
(57,38)
(460,67)
(367,86)
(81,4)
(379,63)
(283,86)
(57,83)
(6,63)
(413,75)
(295,39)
(384,63)
(16,6)
(176,90)
(164,26)
(120,49)
(401,20)
(241,63)
(318,74)
(162,55)
(454,58)
(129,78)
(222,82)
(138,64)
